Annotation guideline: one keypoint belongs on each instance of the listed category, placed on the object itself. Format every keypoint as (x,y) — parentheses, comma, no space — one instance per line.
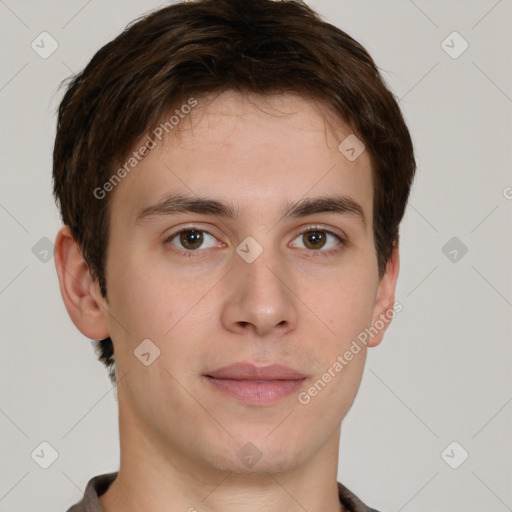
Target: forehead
(257,152)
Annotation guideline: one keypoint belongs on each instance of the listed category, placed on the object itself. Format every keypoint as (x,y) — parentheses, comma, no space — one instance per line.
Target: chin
(253,458)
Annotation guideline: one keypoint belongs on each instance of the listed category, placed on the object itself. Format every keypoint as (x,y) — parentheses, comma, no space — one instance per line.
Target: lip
(256,385)
(249,371)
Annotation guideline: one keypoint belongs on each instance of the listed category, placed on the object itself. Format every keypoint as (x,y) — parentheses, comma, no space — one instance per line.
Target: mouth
(255,385)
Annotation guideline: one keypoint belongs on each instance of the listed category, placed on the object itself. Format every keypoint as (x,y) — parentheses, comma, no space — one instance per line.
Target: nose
(260,297)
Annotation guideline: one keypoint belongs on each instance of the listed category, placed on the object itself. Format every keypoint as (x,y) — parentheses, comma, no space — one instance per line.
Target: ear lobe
(385,298)
(84,308)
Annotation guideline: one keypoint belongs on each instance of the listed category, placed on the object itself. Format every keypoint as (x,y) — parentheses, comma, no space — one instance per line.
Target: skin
(179,435)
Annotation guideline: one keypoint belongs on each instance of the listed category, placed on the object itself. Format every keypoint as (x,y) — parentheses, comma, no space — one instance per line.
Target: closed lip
(250,371)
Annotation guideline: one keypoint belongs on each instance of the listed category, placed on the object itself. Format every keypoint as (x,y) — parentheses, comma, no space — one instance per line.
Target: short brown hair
(209,46)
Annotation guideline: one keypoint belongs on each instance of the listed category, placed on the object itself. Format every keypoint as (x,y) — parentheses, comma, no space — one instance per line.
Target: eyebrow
(179,203)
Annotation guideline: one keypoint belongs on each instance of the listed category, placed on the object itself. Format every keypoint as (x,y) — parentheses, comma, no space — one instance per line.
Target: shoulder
(351,502)
(96,486)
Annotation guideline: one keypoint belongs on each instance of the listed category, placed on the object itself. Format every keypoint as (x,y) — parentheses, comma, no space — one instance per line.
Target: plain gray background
(443,371)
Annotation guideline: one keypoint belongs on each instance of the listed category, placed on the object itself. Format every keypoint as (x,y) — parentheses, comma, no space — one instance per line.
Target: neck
(158,478)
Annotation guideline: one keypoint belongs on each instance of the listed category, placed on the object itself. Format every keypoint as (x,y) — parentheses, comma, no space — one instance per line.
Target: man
(231,176)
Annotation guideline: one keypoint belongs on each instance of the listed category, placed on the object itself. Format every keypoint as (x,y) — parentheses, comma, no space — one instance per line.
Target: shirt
(99,485)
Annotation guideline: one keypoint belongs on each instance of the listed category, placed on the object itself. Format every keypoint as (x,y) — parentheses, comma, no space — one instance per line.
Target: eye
(317,239)
(192,239)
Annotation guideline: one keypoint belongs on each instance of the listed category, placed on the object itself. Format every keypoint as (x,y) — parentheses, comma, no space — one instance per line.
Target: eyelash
(332,252)
(197,253)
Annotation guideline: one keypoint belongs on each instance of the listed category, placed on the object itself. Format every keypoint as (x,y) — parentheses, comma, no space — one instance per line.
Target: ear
(80,293)
(385,298)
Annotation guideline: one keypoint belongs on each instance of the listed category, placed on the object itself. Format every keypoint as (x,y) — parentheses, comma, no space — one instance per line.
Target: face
(245,284)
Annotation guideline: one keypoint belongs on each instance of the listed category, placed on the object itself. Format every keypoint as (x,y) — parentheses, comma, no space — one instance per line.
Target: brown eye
(318,240)
(191,239)
(314,239)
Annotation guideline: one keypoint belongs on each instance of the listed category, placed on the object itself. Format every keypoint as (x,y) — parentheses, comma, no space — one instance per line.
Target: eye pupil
(192,238)
(314,237)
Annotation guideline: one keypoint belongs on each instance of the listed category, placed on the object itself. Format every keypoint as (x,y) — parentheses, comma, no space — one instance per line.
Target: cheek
(340,361)
(143,296)
(347,302)
(343,310)
(155,303)
(352,312)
